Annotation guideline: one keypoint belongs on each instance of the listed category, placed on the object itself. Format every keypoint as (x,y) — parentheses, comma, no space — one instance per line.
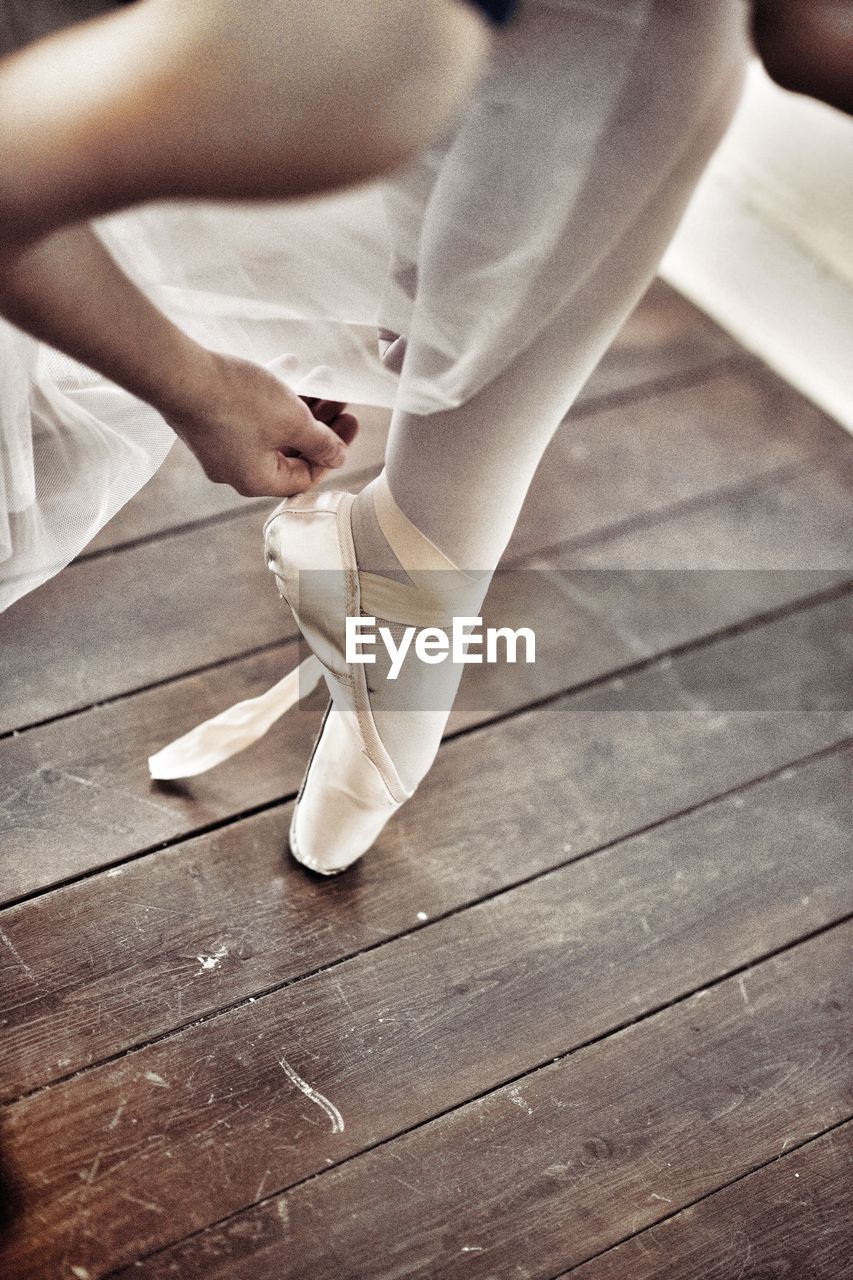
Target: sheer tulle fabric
(469,253)
(73,450)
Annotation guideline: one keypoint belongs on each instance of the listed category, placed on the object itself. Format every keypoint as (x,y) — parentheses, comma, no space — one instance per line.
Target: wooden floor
(582,1011)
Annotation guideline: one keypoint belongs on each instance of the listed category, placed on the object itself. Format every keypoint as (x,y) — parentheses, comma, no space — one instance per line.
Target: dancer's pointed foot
(379,737)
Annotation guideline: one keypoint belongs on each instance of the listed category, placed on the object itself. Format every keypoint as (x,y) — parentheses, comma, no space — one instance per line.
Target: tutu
(469,253)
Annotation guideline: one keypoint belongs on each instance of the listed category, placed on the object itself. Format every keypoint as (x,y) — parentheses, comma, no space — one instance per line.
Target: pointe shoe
(351,787)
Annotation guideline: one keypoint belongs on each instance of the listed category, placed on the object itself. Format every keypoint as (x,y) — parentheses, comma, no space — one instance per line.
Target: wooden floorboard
(128,943)
(78,796)
(666,338)
(682,444)
(75,793)
(526,976)
(791,1218)
(777,525)
(84,637)
(571,1159)
(584,1008)
(87,635)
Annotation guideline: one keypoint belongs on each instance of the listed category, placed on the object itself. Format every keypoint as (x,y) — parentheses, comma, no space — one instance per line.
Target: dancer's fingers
(290,476)
(295,474)
(335,415)
(324,410)
(345,426)
(316,442)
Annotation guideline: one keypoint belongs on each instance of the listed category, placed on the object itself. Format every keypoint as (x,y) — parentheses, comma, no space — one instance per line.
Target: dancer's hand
(247,428)
(250,430)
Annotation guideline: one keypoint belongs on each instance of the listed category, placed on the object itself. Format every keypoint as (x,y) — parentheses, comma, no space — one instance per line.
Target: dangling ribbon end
(216,740)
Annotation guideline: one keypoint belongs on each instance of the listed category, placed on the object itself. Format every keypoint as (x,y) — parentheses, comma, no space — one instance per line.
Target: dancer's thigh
(217,98)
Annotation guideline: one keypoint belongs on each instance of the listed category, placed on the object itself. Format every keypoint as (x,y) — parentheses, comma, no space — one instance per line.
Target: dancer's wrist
(189,380)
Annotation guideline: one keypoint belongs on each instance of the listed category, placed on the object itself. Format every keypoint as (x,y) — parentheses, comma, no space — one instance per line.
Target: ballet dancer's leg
(580,247)
(461,476)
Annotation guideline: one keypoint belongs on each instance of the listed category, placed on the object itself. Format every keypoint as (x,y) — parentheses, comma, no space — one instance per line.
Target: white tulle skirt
(469,253)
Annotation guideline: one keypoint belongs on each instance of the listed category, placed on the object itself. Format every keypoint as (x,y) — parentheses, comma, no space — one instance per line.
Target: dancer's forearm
(244,425)
(207,98)
(67,291)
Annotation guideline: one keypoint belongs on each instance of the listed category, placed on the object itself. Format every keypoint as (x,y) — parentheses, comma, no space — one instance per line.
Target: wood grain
(774,526)
(626,462)
(114,624)
(791,1218)
(84,637)
(583,1007)
(542,1173)
(396,1035)
(74,964)
(76,795)
(665,339)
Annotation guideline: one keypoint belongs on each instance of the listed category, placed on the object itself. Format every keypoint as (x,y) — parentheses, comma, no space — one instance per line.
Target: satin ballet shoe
(351,786)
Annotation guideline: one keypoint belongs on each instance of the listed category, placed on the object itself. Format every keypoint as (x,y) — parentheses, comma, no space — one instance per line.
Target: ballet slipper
(351,787)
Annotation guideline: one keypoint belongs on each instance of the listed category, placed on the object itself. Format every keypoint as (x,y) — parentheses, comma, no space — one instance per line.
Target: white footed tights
(461,475)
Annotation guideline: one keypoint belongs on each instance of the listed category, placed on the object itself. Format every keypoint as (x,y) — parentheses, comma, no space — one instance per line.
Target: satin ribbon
(235,729)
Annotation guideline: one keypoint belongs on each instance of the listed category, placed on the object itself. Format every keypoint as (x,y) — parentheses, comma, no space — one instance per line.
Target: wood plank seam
(623,1026)
(224,1010)
(709,1195)
(268,806)
(250,996)
(648,519)
(204,522)
(255,652)
(749,1173)
(751,399)
(792,607)
(741,362)
(671,654)
(124,782)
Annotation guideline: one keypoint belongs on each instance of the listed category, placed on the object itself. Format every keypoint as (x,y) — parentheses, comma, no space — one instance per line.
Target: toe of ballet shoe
(330,839)
(343,805)
(325,858)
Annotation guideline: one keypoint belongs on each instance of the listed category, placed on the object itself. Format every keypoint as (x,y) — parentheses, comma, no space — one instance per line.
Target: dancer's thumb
(317,443)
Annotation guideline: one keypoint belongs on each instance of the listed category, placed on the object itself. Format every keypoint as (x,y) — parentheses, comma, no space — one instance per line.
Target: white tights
(461,475)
